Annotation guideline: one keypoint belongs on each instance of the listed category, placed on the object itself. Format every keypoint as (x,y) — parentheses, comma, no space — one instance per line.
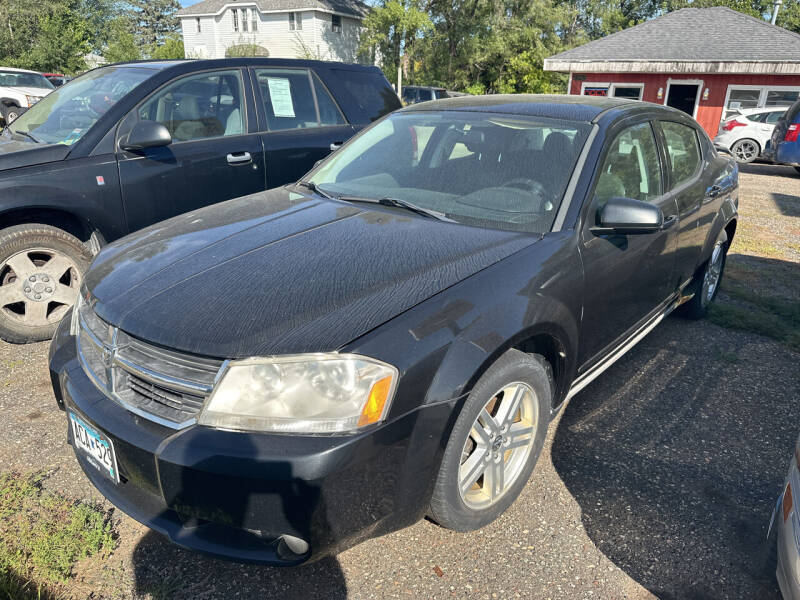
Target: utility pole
(776,6)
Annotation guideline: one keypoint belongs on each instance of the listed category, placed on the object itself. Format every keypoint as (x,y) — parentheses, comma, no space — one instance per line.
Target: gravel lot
(657,480)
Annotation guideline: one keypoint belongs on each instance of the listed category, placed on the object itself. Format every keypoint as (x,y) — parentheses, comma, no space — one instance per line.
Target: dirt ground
(657,480)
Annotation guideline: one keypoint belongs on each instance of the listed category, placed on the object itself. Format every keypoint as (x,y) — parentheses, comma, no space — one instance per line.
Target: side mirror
(146,134)
(625,216)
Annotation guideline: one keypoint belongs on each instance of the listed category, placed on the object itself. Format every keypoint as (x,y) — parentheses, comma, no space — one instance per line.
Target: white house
(319,29)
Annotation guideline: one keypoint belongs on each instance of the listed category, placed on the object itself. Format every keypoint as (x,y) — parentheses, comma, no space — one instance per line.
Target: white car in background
(20,89)
(747,132)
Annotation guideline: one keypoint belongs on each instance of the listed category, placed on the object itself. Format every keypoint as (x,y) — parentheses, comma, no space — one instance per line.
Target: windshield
(22,79)
(491,170)
(66,114)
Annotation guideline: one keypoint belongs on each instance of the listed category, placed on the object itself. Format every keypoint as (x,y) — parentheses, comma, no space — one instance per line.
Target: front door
(683,97)
(303,122)
(627,277)
(213,155)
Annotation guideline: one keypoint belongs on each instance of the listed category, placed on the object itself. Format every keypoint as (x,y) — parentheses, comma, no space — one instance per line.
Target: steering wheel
(533,187)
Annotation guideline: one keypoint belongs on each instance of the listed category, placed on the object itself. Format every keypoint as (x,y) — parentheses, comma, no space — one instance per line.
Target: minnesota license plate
(98,449)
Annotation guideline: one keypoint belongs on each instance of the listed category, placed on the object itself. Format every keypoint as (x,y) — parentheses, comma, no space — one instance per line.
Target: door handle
(239,158)
(335,146)
(714,191)
(669,222)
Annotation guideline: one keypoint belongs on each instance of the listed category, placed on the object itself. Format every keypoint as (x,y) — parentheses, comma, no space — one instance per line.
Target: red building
(704,61)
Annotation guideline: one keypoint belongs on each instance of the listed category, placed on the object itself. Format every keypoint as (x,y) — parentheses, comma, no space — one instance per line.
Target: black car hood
(279,272)
(17,153)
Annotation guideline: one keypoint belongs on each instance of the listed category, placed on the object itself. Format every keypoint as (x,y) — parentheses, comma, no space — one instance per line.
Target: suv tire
(10,113)
(41,269)
(497,438)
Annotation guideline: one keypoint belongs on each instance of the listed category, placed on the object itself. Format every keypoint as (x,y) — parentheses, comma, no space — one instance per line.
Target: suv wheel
(705,284)
(745,151)
(10,113)
(41,268)
(495,442)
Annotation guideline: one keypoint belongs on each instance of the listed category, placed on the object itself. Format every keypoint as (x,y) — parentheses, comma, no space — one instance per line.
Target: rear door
(303,122)
(215,154)
(697,210)
(628,278)
(363,94)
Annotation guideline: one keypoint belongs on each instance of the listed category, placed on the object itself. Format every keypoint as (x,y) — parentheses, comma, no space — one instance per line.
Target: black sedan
(283,375)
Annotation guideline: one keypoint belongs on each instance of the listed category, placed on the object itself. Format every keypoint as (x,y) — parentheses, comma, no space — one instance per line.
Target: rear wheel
(705,284)
(495,443)
(41,268)
(746,150)
(797,169)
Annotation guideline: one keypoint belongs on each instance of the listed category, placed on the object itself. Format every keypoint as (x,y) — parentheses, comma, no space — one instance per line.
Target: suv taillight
(730,125)
(792,132)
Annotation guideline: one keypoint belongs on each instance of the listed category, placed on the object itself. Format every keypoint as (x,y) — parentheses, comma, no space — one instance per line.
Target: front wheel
(705,284)
(10,113)
(495,443)
(41,268)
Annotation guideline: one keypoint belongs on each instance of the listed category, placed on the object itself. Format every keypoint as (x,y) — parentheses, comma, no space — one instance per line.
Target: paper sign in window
(280,94)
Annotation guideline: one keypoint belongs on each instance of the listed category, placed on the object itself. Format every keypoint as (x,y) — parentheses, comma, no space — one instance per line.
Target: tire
(480,450)
(705,284)
(10,113)
(797,169)
(41,269)
(745,150)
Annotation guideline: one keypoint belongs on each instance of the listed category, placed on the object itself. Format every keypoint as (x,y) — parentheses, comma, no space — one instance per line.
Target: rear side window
(289,100)
(774,117)
(370,94)
(683,149)
(758,118)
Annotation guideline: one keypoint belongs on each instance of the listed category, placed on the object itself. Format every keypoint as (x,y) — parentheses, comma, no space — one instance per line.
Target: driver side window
(631,168)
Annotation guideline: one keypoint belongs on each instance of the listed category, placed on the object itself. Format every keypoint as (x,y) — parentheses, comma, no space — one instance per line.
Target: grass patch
(43,535)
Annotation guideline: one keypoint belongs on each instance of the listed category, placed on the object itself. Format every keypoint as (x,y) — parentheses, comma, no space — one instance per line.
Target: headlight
(32,99)
(305,393)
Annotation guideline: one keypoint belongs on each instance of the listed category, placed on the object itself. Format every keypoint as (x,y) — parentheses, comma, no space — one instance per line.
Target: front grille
(162,385)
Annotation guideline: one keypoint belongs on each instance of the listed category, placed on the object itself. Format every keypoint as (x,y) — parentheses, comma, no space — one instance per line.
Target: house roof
(698,40)
(353,8)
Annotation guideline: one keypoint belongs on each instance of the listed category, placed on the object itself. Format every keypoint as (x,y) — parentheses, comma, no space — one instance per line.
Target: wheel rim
(498,446)
(712,274)
(745,150)
(38,286)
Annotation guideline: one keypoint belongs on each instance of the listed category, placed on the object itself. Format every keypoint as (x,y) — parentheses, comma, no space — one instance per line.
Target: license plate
(99,450)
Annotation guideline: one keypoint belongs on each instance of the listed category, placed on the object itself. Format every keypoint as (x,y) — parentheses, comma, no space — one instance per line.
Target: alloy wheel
(498,446)
(38,286)
(745,151)
(712,275)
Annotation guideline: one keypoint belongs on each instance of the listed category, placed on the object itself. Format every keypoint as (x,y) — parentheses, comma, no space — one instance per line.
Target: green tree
(390,32)
(171,49)
(789,15)
(60,43)
(121,44)
(153,20)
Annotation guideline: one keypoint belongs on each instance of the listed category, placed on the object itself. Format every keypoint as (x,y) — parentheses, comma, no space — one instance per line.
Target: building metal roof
(690,40)
(352,8)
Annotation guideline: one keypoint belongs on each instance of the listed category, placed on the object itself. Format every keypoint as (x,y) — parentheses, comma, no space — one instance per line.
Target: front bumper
(248,496)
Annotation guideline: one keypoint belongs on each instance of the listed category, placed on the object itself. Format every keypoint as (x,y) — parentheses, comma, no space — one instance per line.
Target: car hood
(31,91)
(15,153)
(279,272)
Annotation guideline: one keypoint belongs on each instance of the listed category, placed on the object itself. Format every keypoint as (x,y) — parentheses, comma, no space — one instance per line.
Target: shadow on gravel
(165,571)
(676,456)
(757,168)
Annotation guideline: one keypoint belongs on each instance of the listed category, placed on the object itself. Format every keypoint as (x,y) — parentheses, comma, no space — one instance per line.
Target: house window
(253,19)
(336,23)
(594,90)
(742,97)
(292,22)
(199,30)
(633,91)
(244,19)
(235,20)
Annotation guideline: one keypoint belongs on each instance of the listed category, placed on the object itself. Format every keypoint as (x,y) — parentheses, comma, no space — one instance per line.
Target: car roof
(19,70)
(557,106)
(189,64)
(756,111)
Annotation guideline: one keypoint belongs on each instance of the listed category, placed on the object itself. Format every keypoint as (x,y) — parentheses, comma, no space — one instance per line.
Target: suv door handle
(239,158)
(714,191)
(335,146)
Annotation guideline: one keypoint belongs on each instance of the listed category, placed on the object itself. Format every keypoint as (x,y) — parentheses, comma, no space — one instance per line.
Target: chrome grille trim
(146,390)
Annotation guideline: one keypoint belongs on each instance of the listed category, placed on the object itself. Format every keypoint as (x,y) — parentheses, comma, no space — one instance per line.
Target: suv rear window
(370,92)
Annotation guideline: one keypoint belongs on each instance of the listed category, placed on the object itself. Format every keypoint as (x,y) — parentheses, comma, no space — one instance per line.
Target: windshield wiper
(310,185)
(398,203)
(24,133)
